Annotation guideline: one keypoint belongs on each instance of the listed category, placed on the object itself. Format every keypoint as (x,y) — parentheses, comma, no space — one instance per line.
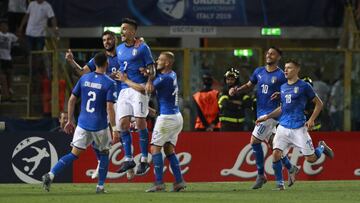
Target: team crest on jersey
(296,90)
(273,79)
(134,52)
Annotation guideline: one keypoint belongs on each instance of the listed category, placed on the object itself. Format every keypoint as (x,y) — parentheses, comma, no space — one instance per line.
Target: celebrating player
(268,79)
(293,127)
(98,93)
(131,102)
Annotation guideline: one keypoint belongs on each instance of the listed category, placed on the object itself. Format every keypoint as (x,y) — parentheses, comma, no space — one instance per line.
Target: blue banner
(25,156)
(85,13)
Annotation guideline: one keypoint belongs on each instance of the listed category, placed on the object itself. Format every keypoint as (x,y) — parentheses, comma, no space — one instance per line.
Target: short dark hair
(108,32)
(293,61)
(100,59)
(130,21)
(276,49)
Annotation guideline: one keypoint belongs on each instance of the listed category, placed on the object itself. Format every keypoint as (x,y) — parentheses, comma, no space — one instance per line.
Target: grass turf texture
(302,191)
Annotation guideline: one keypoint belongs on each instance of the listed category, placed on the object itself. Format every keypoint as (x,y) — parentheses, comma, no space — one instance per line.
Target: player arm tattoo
(245,87)
(71,61)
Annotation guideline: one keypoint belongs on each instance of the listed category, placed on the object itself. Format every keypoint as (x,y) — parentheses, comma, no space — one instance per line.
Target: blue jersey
(293,101)
(112,67)
(95,90)
(167,93)
(267,83)
(131,59)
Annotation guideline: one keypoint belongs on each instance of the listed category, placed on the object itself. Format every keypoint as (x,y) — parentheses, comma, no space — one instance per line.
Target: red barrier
(216,156)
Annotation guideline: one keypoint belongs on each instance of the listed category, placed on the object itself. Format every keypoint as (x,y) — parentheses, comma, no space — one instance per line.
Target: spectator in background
(206,101)
(232,108)
(320,87)
(6,41)
(336,104)
(36,17)
(16,11)
(63,119)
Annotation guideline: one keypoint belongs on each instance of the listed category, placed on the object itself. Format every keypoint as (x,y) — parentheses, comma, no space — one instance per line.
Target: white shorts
(83,138)
(132,103)
(299,137)
(167,129)
(265,129)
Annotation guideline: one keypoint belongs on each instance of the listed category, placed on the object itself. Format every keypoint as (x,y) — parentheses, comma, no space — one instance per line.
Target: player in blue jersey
(98,93)
(293,127)
(132,103)
(268,80)
(168,124)
(109,44)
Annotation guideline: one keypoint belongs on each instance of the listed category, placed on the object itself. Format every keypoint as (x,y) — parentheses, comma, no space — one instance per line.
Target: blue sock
(63,163)
(103,168)
(277,166)
(97,152)
(144,141)
(319,150)
(259,157)
(286,162)
(174,164)
(158,167)
(126,142)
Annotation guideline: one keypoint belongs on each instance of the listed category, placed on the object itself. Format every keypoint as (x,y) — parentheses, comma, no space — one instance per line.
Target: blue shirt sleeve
(283,78)
(309,92)
(253,78)
(147,56)
(77,89)
(111,95)
(158,82)
(91,65)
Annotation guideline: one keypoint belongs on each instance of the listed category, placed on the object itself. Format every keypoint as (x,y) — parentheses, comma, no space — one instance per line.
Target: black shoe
(46,180)
(260,181)
(142,168)
(292,175)
(126,166)
(327,150)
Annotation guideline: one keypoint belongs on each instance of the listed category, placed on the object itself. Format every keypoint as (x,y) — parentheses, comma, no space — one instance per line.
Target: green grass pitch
(225,192)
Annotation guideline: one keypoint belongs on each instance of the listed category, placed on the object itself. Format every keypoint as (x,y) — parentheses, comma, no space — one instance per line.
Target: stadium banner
(321,13)
(223,156)
(26,156)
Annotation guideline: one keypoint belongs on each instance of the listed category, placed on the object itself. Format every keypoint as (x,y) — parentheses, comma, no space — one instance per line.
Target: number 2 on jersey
(92,98)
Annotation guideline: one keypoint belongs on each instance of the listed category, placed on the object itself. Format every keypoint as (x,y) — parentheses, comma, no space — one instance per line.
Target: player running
(268,79)
(293,128)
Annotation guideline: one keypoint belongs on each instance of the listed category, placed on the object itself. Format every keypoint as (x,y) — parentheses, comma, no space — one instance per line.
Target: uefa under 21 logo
(33,157)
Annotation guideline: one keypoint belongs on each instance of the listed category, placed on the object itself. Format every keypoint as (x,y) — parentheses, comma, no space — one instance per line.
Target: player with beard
(109,44)
(268,80)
